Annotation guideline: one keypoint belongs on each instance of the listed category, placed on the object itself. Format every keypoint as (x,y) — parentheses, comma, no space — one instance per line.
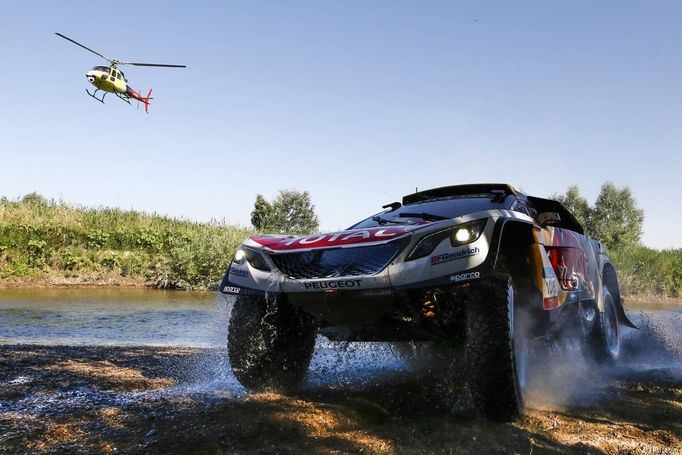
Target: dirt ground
(59,399)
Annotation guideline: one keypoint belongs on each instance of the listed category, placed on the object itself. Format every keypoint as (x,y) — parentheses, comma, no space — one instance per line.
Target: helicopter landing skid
(123,97)
(101,100)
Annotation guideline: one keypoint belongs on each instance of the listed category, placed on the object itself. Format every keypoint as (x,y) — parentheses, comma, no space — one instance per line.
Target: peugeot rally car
(481,268)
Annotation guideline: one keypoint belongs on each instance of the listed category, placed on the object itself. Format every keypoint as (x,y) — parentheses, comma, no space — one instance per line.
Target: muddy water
(152,359)
(143,317)
(111,317)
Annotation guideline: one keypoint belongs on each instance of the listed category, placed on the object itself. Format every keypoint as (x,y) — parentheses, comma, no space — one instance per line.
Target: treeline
(616,220)
(52,242)
(42,240)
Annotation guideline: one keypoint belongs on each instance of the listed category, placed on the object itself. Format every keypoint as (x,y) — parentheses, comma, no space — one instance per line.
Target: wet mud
(102,399)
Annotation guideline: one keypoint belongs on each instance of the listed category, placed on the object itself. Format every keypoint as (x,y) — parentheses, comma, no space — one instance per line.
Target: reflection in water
(112,317)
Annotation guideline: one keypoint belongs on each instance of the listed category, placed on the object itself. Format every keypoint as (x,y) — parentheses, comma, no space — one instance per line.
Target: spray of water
(565,378)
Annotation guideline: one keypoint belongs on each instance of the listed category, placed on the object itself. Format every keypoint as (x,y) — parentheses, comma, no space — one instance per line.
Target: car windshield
(431,211)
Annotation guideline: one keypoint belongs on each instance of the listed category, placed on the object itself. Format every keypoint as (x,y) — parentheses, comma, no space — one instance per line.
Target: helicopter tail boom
(144,99)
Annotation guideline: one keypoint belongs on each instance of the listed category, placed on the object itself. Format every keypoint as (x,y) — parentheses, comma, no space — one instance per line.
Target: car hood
(347,238)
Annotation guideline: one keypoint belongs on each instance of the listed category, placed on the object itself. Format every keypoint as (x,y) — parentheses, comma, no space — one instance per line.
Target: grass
(47,241)
(648,274)
(50,242)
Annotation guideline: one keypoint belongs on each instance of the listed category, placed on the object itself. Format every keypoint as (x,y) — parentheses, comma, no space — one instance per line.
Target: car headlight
(254,258)
(458,235)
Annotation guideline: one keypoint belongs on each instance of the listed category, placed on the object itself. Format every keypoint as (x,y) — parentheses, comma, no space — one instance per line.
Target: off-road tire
(596,345)
(490,349)
(269,343)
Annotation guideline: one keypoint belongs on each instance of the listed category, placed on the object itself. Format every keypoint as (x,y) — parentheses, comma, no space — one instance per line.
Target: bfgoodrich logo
(447,257)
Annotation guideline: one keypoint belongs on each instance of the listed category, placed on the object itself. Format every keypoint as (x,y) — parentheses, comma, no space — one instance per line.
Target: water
(144,317)
(112,317)
(140,317)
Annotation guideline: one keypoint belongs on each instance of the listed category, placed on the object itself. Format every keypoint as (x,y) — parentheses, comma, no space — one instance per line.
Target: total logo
(465,276)
(351,237)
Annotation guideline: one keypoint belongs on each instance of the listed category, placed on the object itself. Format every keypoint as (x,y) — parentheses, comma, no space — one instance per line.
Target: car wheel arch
(513,244)
(610,281)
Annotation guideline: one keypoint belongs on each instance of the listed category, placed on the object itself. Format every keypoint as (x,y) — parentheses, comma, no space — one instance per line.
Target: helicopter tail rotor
(146,100)
(131,93)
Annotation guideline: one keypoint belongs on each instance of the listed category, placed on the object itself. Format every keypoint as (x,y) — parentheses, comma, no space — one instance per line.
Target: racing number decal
(550,289)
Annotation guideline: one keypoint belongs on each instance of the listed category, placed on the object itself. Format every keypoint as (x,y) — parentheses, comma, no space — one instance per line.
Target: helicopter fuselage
(108,79)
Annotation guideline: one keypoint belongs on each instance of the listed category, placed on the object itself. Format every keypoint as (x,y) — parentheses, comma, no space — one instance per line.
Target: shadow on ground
(147,400)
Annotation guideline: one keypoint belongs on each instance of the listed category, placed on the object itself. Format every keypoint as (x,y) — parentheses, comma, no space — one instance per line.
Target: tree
(34,199)
(262,213)
(617,221)
(577,205)
(291,212)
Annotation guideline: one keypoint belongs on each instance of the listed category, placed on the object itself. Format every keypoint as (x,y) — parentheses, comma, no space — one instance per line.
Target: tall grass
(646,273)
(40,238)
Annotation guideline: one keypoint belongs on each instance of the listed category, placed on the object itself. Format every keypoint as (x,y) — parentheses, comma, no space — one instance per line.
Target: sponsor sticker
(447,257)
(239,272)
(232,290)
(338,284)
(465,276)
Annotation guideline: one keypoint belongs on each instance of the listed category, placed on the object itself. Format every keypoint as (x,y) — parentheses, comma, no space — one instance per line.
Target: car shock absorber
(429,305)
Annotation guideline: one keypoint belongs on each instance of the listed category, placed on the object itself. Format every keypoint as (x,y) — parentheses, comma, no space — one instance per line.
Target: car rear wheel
(602,344)
(497,350)
(270,343)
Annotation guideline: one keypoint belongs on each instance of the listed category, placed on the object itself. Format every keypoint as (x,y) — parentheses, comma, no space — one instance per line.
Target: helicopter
(109,79)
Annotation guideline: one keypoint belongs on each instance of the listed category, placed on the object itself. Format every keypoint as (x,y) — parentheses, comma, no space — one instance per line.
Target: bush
(647,273)
(38,236)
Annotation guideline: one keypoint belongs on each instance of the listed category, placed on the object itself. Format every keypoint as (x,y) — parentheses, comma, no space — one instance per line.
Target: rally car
(482,268)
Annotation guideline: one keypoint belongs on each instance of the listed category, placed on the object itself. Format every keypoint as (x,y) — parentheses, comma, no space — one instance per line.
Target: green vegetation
(55,242)
(616,221)
(51,242)
(645,273)
(291,212)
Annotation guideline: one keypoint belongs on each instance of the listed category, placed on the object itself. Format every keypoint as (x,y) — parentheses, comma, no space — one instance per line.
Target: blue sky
(357,102)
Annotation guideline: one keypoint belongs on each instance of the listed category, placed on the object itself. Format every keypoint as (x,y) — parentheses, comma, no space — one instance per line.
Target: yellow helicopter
(109,79)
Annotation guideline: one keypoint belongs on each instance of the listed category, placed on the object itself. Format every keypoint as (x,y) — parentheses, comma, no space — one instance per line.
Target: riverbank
(48,243)
(48,281)
(52,244)
(165,400)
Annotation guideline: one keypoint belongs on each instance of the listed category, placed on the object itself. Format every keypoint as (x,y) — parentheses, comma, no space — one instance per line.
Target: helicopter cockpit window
(119,76)
(106,69)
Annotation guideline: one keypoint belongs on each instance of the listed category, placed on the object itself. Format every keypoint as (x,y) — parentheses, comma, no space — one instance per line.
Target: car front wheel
(270,343)
(497,349)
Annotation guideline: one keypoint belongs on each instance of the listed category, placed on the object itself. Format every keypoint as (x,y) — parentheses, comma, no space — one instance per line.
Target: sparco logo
(465,276)
(333,284)
(447,257)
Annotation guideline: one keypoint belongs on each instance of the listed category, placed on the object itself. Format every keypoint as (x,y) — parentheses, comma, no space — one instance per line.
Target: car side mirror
(548,218)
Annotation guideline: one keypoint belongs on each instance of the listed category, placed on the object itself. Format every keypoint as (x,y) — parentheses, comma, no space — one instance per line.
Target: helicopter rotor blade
(152,64)
(84,47)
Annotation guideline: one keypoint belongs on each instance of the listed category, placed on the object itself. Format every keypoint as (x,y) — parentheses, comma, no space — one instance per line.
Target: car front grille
(339,262)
